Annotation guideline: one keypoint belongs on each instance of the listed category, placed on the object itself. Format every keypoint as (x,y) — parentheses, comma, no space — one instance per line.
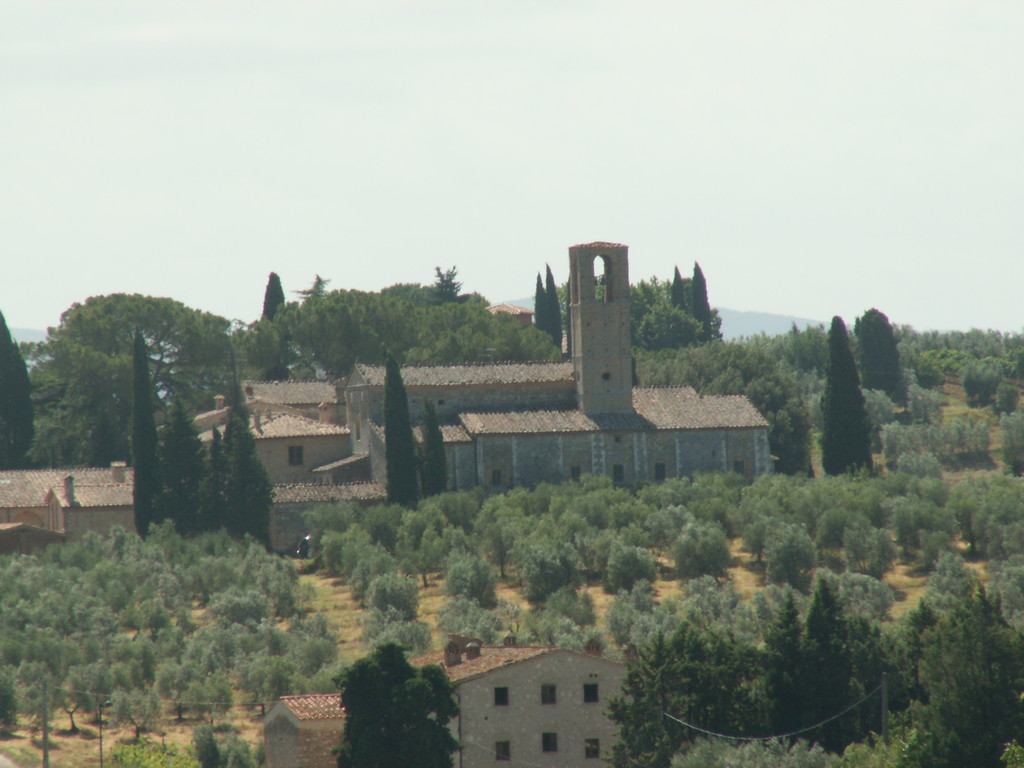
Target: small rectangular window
(501,696)
(591,748)
(495,477)
(549,742)
(659,470)
(547,694)
(589,693)
(295,455)
(503,750)
(618,473)
(575,472)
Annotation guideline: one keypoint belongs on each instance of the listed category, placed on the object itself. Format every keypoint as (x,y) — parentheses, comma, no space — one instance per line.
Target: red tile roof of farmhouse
(491,657)
(315,706)
(462,375)
(509,309)
(287,425)
(293,392)
(94,486)
(295,493)
(657,408)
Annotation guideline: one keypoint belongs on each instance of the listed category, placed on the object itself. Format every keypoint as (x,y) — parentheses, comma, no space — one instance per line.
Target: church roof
(315,706)
(468,375)
(654,408)
(94,486)
(509,309)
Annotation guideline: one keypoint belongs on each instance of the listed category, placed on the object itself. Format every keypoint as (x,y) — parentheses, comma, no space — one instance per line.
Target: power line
(780,735)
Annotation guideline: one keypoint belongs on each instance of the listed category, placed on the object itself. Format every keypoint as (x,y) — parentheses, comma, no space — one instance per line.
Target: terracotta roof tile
(510,309)
(491,657)
(315,706)
(468,375)
(288,425)
(450,433)
(94,486)
(682,408)
(296,392)
(297,493)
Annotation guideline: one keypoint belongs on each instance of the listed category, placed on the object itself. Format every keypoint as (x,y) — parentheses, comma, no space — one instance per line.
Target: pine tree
(878,355)
(16,411)
(183,470)
(554,309)
(680,292)
(273,296)
(700,308)
(249,490)
(144,440)
(846,437)
(399,446)
(433,463)
(213,493)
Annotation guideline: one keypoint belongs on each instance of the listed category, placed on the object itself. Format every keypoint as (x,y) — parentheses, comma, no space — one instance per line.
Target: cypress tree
(16,413)
(433,462)
(183,470)
(846,437)
(249,490)
(554,309)
(540,307)
(399,446)
(144,440)
(878,355)
(700,308)
(213,492)
(680,292)
(826,685)
(273,296)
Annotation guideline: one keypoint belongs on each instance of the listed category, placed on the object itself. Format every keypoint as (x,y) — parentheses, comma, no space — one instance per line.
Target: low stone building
(292,501)
(301,731)
(520,424)
(69,501)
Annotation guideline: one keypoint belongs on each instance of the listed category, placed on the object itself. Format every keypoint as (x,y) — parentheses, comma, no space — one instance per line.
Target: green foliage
(464,616)
(17,428)
(554,309)
(878,355)
(8,700)
(446,287)
(701,309)
(147,755)
(183,471)
(433,464)
(396,715)
(546,567)
(389,591)
(981,380)
(1012,427)
(628,565)
(471,577)
(789,555)
(701,549)
(845,442)
(400,451)
(248,492)
(273,296)
(82,373)
(716,753)
(1007,397)
(679,292)
(147,483)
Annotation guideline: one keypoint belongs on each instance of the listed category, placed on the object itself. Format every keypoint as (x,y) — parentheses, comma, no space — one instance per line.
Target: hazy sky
(816,158)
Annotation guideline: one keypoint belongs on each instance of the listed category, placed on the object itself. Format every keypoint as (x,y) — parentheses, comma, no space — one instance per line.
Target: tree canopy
(396,715)
(846,435)
(17,428)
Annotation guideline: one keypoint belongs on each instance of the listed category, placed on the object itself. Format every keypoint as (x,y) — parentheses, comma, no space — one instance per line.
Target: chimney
(248,392)
(473,651)
(452,654)
(218,402)
(325,413)
(69,491)
(256,423)
(117,471)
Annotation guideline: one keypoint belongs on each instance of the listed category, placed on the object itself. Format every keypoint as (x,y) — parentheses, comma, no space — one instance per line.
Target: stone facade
(302,731)
(537,706)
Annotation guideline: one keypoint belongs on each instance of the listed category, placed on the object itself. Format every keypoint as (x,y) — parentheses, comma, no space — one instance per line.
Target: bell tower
(602,361)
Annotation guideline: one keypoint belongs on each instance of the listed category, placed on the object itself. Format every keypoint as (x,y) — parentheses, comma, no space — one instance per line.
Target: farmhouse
(520,424)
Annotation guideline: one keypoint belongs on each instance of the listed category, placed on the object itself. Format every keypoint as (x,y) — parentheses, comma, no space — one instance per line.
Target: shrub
(471,577)
(389,591)
(702,550)
(981,380)
(789,555)
(627,565)
(1007,397)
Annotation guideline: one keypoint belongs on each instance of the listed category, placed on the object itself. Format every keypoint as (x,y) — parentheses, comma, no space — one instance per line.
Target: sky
(816,158)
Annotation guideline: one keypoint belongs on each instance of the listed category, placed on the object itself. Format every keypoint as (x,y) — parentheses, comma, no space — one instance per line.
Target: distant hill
(736,323)
(27,334)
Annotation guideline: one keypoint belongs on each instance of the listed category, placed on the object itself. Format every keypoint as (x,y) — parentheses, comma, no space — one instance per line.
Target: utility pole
(885,708)
(46,726)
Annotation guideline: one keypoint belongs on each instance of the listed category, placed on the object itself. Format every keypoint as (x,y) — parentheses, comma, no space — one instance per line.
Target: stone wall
(79,520)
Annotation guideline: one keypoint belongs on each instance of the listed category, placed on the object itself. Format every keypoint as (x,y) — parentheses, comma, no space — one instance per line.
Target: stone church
(520,424)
